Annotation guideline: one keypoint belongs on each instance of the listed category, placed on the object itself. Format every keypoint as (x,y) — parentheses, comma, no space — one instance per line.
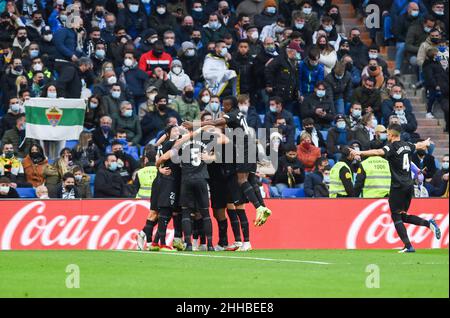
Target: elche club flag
(54,119)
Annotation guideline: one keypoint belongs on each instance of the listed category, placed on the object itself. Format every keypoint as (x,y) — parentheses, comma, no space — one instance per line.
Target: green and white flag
(54,119)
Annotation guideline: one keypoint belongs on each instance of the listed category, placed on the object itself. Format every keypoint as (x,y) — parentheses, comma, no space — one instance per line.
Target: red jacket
(148,62)
(308,157)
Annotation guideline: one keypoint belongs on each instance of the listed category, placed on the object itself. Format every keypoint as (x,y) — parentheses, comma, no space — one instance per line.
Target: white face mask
(112,80)
(243,108)
(161,10)
(78,177)
(190,52)
(115,94)
(254,35)
(206,99)
(4,189)
(51,94)
(373,55)
(48,37)
(134,8)
(37,67)
(128,62)
(326,178)
(176,70)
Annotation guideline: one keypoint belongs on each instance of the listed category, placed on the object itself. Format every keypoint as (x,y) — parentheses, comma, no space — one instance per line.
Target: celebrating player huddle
(188,162)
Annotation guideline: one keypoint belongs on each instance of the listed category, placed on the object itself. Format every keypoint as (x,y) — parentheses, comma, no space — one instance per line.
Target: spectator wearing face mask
(11,167)
(268,15)
(359,52)
(6,190)
(416,35)
(385,91)
(94,111)
(34,164)
(368,96)
(214,108)
(126,164)
(133,78)
(47,45)
(375,71)
(98,57)
(407,121)
(213,31)
(129,121)
(9,78)
(178,77)
(170,45)
(365,133)
(355,116)
(328,30)
(132,18)
(439,182)
(316,135)
(161,19)
(307,152)
(16,137)
(380,139)
(319,106)
(42,192)
(82,183)
(35,26)
(311,17)
(127,146)
(108,182)
(153,122)
(338,137)
(103,134)
(71,77)
(186,106)
(440,13)
(290,172)
(317,182)
(184,31)
(8,121)
(21,42)
(251,116)
(426,164)
(396,94)
(149,61)
(113,100)
(86,154)
(340,88)
(148,105)
(191,61)
(273,30)
(67,189)
(311,72)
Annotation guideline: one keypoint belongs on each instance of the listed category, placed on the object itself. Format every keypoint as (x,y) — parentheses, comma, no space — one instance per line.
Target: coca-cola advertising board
(294,224)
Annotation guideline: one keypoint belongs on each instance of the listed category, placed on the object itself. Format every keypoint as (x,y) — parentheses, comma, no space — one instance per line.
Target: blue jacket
(311,181)
(310,76)
(135,79)
(66,43)
(54,22)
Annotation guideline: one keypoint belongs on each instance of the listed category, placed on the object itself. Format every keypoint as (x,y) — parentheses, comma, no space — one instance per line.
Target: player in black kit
(234,119)
(194,155)
(398,153)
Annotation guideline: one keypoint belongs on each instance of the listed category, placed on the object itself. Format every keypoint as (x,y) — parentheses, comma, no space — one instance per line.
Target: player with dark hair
(398,153)
(234,119)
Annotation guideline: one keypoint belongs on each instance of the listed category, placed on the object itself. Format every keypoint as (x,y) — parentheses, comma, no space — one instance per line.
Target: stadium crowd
(144,65)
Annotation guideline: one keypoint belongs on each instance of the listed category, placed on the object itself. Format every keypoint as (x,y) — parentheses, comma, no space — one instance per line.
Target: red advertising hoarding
(304,224)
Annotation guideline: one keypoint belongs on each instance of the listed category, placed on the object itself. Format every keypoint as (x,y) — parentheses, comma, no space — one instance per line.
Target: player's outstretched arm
(215,122)
(368,153)
(423,145)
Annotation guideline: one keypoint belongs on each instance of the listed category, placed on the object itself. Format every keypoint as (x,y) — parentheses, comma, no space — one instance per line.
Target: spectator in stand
(355,116)
(340,88)
(127,146)
(118,47)
(70,80)
(178,77)
(319,106)
(82,183)
(396,94)
(17,137)
(309,15)
(400,29)
(334,12)
(155,58)
(133,77)
(67,189)
(317,138)
(375,71)
(108,181)
(328,57)
(242,64)
(290,172)
(251,116)
(276,111)
(128,121)
(94,111)
(385,91)
(113,100)
(329,31)
(213,31)
(161,19)
(436,82)
(433,41)
(282,76)
(34,164)
(153,122)
(365,133)
(439,182)
(268,15)
(13,70)
(103,134)
(42,192)
(250,8)
(214,107)
(338,137)
(161,81)
(307,152)
(369,97)
(192,61)
(7,191)
(148,105)
(407,120)
(8,121)
(417,34)
(132,18)
(426,163)
(316,183)
(86,153)
(186,106)
(311,72)
(380,139)
(440,13)
(359,52)
(12,167)
(126,165)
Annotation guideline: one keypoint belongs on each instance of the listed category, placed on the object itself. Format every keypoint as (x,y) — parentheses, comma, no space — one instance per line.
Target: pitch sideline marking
(229,257)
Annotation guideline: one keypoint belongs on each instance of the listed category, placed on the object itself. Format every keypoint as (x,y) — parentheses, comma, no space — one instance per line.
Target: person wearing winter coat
(186,106)
(242,64)
(319,106)
(310,72)
(340,88)
(178,77)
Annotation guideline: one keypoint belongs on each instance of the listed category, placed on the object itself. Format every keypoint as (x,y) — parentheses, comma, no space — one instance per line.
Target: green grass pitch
(259,273)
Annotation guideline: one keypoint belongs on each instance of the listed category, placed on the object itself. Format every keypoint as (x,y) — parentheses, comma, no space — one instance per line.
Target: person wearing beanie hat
(148,39)
(268,16)
(177,75)
(161,19)
(191,61)
(253,40)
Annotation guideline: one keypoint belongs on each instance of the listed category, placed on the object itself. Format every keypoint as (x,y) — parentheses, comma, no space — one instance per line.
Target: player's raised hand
(188,125)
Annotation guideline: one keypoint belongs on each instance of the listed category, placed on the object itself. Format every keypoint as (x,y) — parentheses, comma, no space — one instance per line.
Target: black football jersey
(399,154)
(192,165)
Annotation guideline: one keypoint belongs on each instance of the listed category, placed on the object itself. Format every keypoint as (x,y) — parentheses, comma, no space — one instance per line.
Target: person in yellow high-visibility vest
(341,176)
(373,179)
(145,177)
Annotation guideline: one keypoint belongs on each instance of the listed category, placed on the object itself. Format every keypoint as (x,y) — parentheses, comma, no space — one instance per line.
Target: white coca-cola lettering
(382,229)
(73,230)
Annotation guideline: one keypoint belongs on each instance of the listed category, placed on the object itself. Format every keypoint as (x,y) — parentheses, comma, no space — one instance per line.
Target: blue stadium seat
(293,193)
(324,134)
(71,143)
(91,183)
(297,122)
(26,192)
(437,162)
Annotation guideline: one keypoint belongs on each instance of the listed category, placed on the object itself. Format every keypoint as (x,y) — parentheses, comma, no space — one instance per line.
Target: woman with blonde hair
(21,84)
